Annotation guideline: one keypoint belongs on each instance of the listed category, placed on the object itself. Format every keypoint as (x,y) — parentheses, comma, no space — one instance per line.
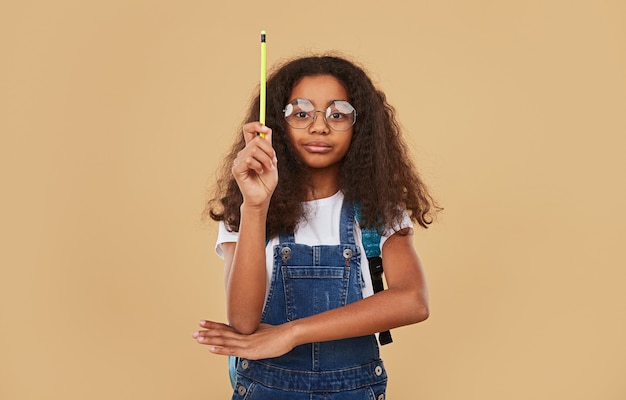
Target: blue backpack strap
(371,244)
(232,370)
(370,236)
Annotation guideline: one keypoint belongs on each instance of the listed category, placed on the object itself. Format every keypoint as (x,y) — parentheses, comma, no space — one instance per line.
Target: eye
(336,115)
(300,115)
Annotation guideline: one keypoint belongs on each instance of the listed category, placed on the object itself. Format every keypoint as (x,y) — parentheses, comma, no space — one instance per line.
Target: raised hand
(255,168)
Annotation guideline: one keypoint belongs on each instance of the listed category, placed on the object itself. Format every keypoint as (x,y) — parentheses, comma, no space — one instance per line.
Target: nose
(319,124)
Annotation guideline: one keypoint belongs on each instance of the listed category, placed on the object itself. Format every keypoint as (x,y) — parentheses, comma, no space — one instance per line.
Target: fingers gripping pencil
(263,81)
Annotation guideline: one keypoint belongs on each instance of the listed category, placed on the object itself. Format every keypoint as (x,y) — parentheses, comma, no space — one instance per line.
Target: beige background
(114,115)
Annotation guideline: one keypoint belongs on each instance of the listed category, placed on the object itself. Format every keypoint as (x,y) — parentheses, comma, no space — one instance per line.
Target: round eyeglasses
(301,113)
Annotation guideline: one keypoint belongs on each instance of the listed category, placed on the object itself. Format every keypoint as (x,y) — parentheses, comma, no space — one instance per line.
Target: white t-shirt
(320,228)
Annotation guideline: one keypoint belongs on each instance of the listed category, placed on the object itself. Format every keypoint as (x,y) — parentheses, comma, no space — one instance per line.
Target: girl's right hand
(255,168)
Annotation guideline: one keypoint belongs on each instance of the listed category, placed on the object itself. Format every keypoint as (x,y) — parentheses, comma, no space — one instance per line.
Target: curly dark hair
(376,173)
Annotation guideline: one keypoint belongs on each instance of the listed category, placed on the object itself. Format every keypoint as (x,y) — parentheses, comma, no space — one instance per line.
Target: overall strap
(346,224)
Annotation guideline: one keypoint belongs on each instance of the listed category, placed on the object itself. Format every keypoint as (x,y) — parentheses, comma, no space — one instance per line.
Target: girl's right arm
(255,170)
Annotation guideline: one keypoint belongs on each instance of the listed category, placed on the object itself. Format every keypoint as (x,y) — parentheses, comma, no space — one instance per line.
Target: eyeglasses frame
(314,111)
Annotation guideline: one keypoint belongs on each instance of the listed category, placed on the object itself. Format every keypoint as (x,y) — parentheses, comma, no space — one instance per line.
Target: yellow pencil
(263,81)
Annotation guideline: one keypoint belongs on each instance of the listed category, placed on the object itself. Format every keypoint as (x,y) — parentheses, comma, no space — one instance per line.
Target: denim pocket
(312,290)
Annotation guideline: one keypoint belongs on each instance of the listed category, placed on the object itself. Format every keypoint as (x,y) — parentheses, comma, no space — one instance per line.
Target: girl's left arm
(404,302)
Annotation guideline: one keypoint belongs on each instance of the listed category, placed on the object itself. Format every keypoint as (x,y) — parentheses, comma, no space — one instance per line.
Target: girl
(300,305)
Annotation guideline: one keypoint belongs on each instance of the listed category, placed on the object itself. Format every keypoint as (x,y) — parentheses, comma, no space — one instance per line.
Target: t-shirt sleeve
(224,236)
(405,223)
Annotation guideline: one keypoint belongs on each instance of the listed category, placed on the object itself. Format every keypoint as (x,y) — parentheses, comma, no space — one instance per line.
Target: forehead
(320,89)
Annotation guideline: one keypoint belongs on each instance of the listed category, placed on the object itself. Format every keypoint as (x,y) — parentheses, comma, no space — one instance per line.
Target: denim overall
(308,280)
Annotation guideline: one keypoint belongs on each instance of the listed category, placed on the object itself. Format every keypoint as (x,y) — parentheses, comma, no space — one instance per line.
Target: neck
(325,183)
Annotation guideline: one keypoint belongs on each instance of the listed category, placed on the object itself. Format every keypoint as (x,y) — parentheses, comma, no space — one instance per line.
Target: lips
(317,147)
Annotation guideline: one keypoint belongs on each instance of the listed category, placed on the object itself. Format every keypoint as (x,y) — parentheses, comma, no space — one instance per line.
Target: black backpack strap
(376,271)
